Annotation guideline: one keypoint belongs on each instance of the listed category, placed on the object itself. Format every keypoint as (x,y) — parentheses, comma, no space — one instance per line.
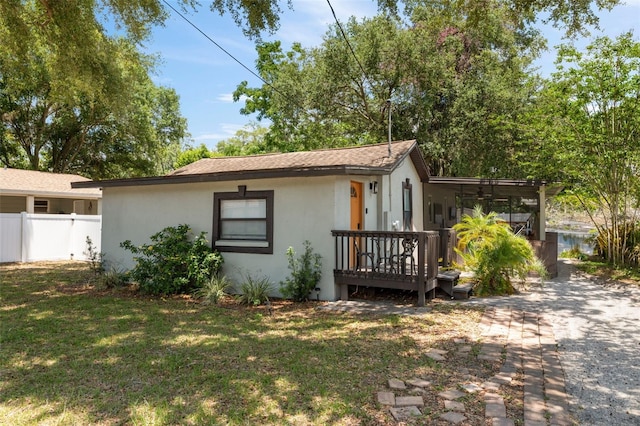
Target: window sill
(237,246)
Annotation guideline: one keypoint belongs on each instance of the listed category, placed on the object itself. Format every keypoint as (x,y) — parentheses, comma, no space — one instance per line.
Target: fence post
(72,235)
(23,237)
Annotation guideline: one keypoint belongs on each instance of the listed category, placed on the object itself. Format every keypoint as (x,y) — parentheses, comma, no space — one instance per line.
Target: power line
(344,35)
(223,49)
(387,105)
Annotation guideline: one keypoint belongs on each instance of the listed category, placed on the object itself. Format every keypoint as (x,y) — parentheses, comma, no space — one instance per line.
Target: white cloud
(227,130)
(225,97)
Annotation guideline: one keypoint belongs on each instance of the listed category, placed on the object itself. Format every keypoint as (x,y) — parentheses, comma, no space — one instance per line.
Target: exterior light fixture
(373,186)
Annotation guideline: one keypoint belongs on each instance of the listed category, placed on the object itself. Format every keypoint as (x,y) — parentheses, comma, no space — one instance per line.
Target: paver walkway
(531,346)
(527,343)
(597,342)
(596,326)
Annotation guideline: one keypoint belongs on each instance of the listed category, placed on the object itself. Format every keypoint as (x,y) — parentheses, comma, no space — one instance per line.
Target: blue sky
(205,77)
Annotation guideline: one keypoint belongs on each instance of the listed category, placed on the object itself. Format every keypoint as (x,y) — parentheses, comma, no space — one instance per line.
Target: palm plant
(494,253)
(214,289)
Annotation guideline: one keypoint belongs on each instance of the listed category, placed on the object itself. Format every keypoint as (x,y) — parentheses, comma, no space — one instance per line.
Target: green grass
(608,271)
(71,353)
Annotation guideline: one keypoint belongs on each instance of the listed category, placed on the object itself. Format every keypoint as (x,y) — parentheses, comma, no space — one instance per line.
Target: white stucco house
(372,212)
(43,218)
(254,208)
(33,191)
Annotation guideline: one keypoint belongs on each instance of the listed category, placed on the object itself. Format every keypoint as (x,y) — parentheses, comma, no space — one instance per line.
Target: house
(254,208)
(362,208)
(48,193)
(43,218)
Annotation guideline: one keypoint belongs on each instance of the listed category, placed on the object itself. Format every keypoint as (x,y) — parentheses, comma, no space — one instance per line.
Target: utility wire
(344,35)
(387,106)
(223,49)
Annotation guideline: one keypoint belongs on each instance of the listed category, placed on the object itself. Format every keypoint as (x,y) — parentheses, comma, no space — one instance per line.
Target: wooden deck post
(344,292)
(421,272)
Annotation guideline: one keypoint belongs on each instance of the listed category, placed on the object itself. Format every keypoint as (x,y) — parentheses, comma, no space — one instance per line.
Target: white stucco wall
(391,205)
(305,208)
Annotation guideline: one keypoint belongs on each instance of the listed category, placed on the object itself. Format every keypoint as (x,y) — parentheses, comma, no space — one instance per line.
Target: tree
(249,140)
(590,116)
(191,155)
(73,34)
(131,128)
(464,104)
(74,30)
(572,15)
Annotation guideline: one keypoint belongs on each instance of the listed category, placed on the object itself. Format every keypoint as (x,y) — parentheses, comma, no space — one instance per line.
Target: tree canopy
(589,115)
(128,128)
(571,15)
(75,100)
(459,87)
(73,31)
(75,92)
(73,35)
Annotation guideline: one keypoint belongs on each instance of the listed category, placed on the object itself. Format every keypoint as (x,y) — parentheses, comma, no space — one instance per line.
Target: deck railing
(387,259)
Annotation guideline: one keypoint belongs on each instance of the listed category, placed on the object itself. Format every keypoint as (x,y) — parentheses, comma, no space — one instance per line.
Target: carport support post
(421,270)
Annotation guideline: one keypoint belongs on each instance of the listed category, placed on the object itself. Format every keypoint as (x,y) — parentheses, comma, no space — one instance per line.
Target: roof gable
(363,160)
(31,182)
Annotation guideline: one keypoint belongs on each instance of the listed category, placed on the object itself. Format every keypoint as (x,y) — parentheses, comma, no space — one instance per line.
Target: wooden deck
(386,259)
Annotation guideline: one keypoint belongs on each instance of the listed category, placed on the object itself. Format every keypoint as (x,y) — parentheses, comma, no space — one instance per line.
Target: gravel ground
(597,327)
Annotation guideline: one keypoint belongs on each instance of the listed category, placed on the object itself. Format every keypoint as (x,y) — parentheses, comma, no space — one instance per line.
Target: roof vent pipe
(389,111)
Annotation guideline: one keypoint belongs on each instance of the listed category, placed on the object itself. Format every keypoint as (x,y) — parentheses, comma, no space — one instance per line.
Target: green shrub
(573,253)
(494,253)
(202,262)
(114,277)
(305,274)
(626,242)
(175,261)
(213,290)
(255,291)
(96,258)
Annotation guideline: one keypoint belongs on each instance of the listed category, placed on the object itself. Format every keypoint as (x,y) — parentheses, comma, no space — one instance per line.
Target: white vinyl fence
(34,237)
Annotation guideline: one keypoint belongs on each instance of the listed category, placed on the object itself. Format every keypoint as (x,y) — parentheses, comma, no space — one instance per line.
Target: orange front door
(356,218)
(356,206)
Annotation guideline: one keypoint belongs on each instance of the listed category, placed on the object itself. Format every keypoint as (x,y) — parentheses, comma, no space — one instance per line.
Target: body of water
(569,239)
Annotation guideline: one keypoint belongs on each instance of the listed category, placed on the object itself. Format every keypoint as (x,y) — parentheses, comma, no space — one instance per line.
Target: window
(41,206)
(243,221)
(407,206)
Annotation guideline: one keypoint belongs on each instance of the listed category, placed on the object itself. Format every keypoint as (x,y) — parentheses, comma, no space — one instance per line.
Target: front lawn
(71,353)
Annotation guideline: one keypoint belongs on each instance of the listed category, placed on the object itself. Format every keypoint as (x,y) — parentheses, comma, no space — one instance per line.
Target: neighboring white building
(254,208)
(43,218)
(48,193)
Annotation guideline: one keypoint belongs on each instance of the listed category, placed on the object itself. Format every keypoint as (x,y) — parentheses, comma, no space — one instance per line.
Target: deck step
(447,280)
(462,291)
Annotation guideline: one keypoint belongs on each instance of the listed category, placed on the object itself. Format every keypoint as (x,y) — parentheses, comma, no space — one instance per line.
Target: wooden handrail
(392,259)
